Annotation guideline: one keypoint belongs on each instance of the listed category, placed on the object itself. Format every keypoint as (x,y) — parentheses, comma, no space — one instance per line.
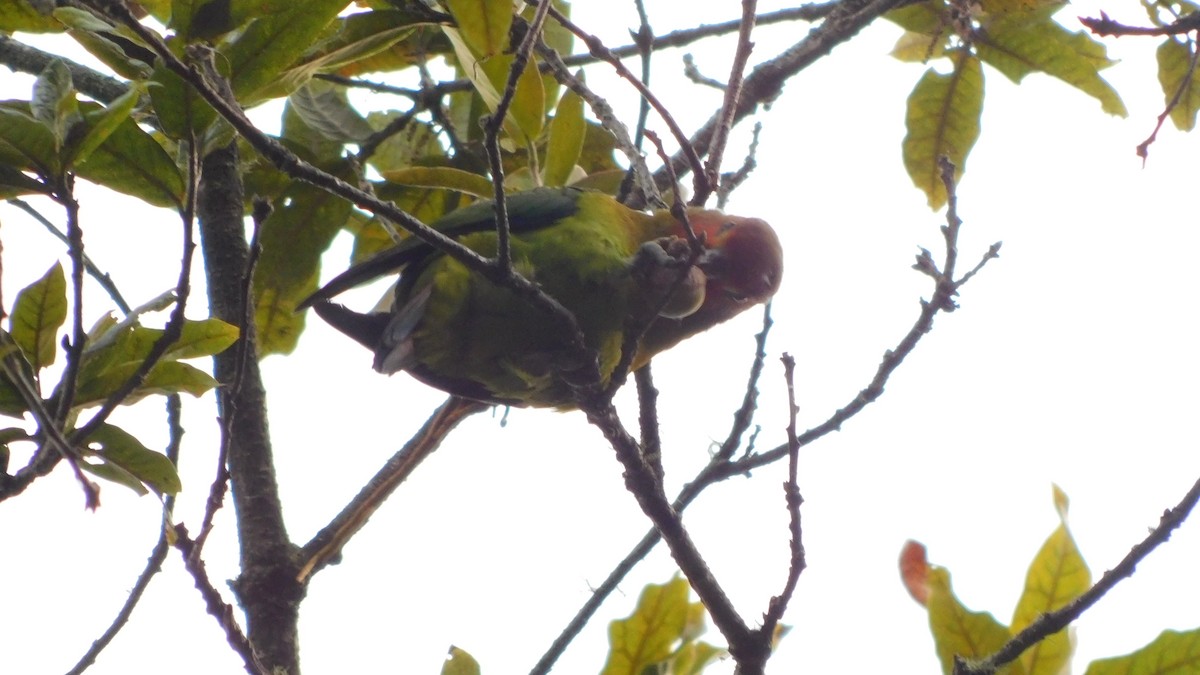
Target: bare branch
(326,547)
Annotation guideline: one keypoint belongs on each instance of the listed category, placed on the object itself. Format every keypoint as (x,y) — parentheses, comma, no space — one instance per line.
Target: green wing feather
(527,211)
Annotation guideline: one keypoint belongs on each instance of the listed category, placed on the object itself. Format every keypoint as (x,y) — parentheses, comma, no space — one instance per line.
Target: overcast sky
(1072,361)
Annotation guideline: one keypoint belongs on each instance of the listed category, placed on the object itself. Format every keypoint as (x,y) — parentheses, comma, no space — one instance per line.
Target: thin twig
(492,124)
(216,605)
(791,490)
(597,48)
(102,278)
(157,555)
(733,92)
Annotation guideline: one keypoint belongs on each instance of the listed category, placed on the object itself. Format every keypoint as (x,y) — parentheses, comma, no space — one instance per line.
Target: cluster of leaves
(115,351)
(661,636)
(1016,37)
(1177,62)
(1056,577)
(427,156)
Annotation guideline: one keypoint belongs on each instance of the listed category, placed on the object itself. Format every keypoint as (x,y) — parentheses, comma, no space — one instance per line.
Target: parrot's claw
(658,265)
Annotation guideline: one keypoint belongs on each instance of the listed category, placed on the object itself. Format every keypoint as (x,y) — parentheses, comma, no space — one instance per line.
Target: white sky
(1072,360)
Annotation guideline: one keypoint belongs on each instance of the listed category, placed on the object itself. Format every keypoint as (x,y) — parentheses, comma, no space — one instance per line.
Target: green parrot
(456,331)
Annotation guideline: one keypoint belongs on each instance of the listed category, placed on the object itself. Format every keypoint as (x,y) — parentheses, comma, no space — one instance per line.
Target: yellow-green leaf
(1056,576)
(459,662)
(39,311)
(646,637)
(118,447)
(567,131)
(166,377)
(918,47)
(693,657)
(1004,6)
(21,16)
(957,631)
(299,229)
(926,17)
(103,122)
(526,112)
(442,177)
(1171,653)
(483,24)
(1177,79)
(943,121)
(204,337)
(1020,43)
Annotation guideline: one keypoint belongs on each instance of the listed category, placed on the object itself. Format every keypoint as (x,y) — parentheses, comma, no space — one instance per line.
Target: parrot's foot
(658,265)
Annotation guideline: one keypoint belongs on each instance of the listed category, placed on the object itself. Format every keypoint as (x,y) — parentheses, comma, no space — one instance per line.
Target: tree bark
(267,588)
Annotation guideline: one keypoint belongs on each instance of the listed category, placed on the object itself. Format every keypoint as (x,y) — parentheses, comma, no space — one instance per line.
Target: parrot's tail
(366,329)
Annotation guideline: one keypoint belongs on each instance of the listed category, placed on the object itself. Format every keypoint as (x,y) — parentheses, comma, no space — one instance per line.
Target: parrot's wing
(527,211)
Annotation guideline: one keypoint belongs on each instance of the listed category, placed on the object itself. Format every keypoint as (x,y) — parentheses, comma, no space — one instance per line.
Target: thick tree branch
(326,547)
(267,587)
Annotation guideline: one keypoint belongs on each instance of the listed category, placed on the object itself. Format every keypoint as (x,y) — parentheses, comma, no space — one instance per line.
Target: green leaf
(358,37)
(417,141)
(442,177)
(645,638)
(299,229)
(527,111)
(180,110)
(116,46)
(21,16)
(567,131)
(1020,43)
(39,311)
(13,367)
(116,353)
(1176,77)
(119,448)
(483,24)
(325,108)
(132,162)
(458,662)
(25,142)
(274,42)
(204,337)
(166,377)
(370,236)
(1171,653)
(957,631)
(943,121)
(102,123)
(1056,576)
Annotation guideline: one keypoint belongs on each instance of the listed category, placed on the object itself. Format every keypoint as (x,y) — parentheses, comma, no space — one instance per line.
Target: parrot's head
(742,265)
(743,259)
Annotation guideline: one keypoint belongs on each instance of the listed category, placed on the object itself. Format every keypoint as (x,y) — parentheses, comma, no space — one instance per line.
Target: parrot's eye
(735,296)
(725,227)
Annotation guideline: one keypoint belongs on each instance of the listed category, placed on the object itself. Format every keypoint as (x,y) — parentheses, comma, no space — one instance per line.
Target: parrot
(456,331)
